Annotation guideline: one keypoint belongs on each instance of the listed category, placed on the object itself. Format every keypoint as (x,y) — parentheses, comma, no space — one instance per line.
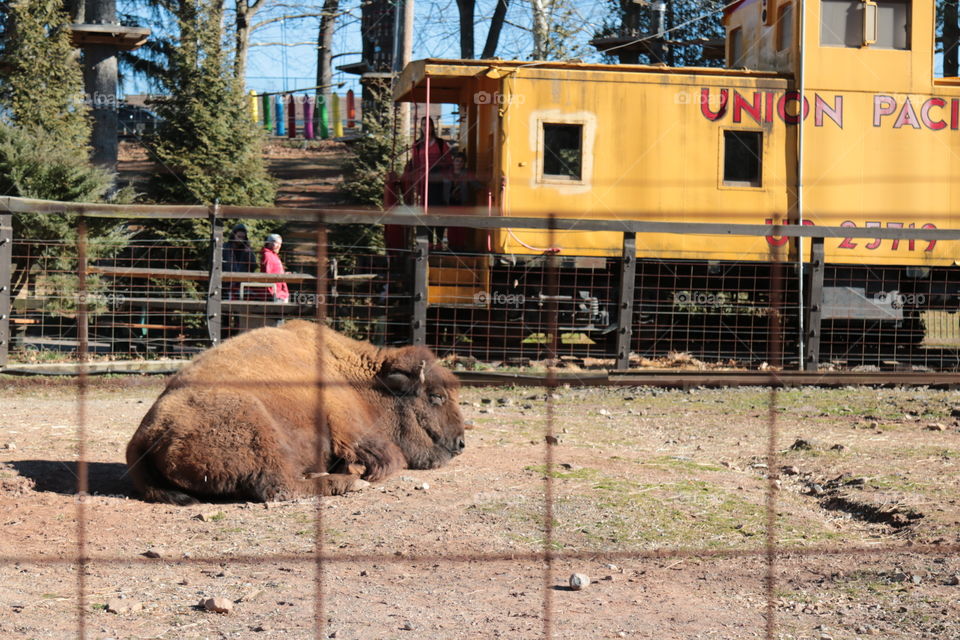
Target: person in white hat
(270,263)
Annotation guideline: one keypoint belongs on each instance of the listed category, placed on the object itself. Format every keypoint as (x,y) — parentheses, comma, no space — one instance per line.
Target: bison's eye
(436,399)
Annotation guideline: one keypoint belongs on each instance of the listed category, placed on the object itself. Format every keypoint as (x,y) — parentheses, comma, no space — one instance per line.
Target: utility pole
(406,53)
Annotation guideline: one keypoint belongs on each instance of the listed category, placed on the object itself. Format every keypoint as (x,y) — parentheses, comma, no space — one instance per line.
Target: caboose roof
(448,76)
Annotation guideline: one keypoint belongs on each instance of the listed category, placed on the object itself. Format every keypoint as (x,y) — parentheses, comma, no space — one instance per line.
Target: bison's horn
(423,368)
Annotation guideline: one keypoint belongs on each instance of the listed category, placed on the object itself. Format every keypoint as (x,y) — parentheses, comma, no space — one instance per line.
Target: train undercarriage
(712,311)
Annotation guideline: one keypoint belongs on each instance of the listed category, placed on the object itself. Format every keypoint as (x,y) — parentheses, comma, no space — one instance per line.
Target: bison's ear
(405,372)
(400,383)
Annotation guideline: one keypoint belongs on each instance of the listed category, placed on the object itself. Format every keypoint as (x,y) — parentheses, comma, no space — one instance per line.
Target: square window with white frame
(742,158)
(562,151)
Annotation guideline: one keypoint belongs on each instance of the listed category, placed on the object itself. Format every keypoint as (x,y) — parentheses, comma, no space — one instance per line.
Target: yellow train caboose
(828,113)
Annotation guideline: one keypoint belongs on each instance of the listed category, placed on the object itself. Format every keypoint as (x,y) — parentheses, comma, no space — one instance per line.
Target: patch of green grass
(895,482)
(560,473)
(217,517)
(98,607)
(680,462)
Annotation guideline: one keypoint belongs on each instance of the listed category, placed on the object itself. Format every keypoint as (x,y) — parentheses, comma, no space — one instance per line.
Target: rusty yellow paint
(880,144)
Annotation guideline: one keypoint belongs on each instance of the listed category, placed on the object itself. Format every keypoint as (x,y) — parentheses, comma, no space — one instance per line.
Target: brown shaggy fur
(248,420)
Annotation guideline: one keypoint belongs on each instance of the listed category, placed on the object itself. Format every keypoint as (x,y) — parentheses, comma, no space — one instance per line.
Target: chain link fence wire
(777,303)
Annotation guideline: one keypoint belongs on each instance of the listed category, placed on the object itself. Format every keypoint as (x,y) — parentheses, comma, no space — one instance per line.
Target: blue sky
(273,67)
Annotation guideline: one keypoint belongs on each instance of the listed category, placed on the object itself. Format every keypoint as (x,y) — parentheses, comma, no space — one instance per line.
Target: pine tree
(42,84)
(685,20)
(373,156)
(44,134)
(207,144)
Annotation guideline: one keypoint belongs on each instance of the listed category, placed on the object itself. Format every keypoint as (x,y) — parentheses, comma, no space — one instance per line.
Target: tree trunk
(496,24)
(667,48)
(466,8)
(629,27)
(76,10)
(328,24)
(100,84)
(951,36)
(541,29)
(242,39)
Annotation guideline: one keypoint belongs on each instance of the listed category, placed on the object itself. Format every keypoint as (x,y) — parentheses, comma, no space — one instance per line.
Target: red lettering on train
(740,105)
(821,109)
(705,104)
(848,243)
(882,106)
(907,116)
(928,122)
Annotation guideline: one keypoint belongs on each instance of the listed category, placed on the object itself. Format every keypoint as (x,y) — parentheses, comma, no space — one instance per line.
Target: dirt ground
(452,553)
(307,173)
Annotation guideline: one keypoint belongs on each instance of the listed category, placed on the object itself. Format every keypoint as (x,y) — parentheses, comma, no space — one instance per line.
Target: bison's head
(429,430)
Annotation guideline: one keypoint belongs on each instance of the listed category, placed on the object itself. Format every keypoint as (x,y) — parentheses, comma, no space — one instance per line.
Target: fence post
(628,280)
(421,255)
(815,306)
(215,285)
(6,283)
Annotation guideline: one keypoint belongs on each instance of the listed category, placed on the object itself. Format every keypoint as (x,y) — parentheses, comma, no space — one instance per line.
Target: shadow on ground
(58,476)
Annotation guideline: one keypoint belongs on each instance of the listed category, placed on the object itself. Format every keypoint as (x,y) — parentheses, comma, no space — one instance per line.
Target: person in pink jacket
(270,263)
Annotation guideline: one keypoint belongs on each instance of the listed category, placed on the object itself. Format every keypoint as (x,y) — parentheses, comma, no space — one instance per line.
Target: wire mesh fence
(156,296)
(720,314)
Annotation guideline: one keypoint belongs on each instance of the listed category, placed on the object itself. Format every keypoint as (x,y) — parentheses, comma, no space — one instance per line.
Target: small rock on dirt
(936,427)
(210,516)
(152,553)
(217,605)
(816,489)
(579,581)
(954,580)
(804,445)
(117,605)
(790,471)
(253,594)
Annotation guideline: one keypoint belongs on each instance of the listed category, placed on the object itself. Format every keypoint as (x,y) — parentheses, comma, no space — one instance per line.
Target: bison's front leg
(333,484)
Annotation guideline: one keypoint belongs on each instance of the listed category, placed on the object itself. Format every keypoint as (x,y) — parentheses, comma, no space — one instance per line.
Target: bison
(290,411)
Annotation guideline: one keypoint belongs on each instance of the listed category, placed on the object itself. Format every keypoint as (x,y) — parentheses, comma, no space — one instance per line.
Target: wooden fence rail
(409,217)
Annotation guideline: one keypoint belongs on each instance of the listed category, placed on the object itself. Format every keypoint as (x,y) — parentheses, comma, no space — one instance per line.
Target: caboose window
(562,151)
(742,166)
(784,26)
(842,24)
(736,48)
(893,24)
